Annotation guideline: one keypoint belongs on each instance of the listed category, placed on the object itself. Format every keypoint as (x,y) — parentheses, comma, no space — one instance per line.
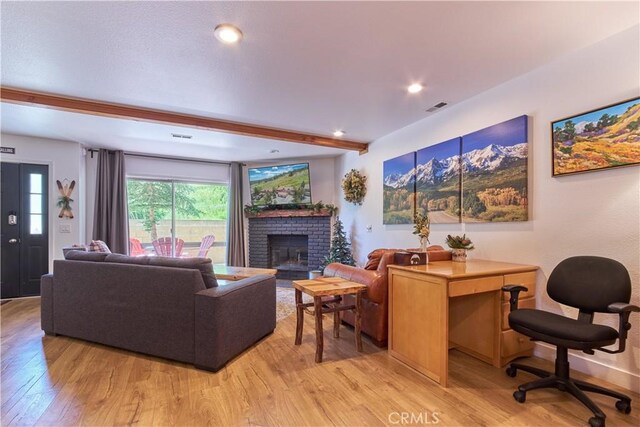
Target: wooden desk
(445,304)
(225,272)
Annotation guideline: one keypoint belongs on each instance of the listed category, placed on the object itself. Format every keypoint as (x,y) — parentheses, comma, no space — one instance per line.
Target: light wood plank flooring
(62,381)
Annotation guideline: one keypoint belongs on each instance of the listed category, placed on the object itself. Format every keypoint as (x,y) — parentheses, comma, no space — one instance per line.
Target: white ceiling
(307,66)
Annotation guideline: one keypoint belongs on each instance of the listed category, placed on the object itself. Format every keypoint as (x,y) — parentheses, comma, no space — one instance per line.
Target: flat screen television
(280,185)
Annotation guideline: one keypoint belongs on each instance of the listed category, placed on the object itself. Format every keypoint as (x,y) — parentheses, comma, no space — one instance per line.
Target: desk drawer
(525,303)
(514,342)
(475,286)
(525,279)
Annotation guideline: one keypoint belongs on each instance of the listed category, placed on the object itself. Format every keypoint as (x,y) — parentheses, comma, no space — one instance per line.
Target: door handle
(13,241)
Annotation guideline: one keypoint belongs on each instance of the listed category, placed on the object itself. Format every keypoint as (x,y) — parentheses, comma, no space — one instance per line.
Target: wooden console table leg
(358,320)
(299,317)
(317,308)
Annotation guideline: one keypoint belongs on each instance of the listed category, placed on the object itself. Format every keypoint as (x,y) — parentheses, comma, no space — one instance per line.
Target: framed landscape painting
(438,181)
(598,139)
(494,173)
(398,176)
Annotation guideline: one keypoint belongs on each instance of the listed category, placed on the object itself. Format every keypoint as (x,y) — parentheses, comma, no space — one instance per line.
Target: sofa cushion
(203,264)
(375,256)
(67,249)
(373,259)
(86,256)
(126,259)
(439,254)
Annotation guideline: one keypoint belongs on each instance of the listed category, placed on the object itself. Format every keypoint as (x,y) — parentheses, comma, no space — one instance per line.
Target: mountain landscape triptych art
(494,173)
(438,181)
(399,189)
(480,177)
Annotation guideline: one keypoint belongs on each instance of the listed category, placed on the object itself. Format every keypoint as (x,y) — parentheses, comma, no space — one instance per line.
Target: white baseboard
(612,374)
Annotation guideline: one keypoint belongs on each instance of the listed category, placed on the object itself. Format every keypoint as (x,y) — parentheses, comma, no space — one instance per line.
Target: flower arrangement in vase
(459,247)
(421,223)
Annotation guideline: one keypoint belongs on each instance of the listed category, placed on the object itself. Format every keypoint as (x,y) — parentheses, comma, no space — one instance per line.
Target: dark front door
(24,230)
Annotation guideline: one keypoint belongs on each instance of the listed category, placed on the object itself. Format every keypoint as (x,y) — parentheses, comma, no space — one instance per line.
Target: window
(36,198)
(174,218)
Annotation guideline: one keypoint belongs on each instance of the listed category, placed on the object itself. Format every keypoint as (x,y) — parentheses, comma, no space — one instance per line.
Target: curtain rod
(153,156)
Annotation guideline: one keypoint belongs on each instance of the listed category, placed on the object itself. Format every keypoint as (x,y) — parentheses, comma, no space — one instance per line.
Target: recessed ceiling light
(228,33)
(338,133)
(415,88)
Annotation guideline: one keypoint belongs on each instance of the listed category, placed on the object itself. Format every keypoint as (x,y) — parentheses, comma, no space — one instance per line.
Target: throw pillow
(99,246)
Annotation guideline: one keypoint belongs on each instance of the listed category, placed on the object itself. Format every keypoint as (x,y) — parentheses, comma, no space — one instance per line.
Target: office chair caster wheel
(520,396)
(623,406)
(511,371)
(596,422)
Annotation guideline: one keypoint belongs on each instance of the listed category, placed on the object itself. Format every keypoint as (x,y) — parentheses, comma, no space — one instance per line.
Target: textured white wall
(65,161)
(595,213)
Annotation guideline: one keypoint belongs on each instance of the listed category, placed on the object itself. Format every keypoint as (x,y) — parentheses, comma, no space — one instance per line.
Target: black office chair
(593,285)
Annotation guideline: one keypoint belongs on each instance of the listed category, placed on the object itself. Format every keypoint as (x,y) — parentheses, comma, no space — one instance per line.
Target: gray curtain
(110,220)
(235,233)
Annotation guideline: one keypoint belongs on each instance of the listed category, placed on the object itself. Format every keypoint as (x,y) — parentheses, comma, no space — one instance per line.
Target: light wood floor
(62,381)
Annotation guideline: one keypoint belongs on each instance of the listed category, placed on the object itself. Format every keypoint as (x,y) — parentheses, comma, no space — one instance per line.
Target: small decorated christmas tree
(340,247)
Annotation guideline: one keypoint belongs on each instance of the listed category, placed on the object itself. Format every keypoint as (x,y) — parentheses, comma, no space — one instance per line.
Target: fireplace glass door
(289,253)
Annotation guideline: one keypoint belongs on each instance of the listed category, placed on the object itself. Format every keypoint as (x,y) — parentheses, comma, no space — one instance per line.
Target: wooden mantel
(288,213)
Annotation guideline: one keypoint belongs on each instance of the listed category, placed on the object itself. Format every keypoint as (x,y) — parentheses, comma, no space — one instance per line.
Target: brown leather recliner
(375,305)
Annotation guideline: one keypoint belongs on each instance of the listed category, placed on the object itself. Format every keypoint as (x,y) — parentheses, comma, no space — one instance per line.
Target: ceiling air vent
(436,107)
(181,136)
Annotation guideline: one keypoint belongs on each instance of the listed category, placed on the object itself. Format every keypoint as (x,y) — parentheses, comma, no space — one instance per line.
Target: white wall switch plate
(64,228)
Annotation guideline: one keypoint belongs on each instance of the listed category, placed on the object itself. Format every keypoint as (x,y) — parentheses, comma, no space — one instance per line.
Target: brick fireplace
(293,242)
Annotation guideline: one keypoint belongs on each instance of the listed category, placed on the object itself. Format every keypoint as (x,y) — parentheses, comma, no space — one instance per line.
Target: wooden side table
(333,287)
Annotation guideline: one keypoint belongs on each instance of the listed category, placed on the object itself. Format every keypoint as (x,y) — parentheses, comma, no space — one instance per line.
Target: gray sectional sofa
(171,308)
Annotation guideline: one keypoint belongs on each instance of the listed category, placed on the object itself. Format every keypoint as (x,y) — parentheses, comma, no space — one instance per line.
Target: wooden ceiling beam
(105,109)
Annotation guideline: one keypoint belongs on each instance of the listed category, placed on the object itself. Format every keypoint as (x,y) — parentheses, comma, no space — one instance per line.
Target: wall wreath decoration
(354,186)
